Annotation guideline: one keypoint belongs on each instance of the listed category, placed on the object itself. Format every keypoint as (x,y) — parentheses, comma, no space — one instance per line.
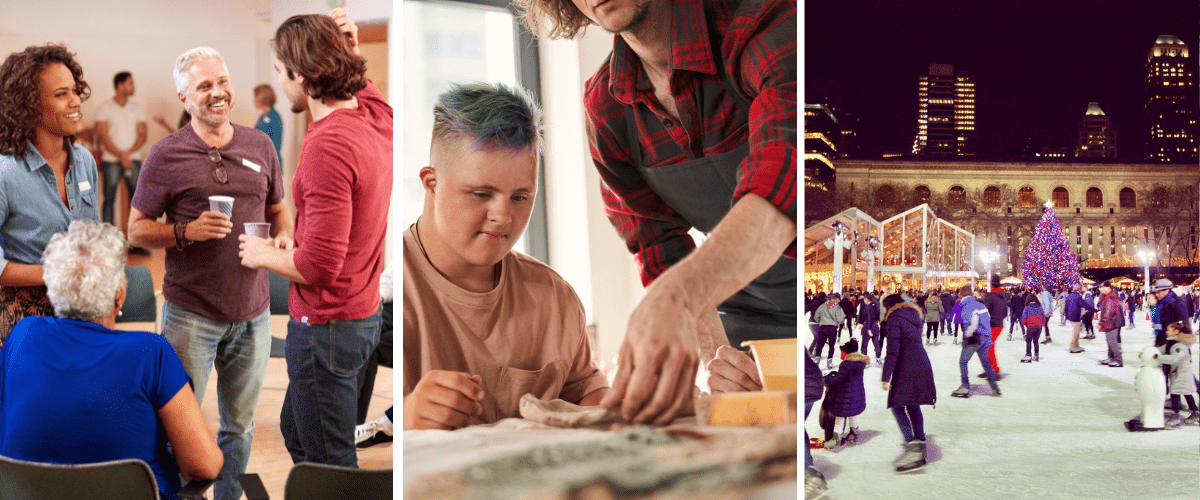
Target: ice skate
(850,438)
(1193,419)
(1010,336)
(1047,341)
(1106,362)
(996,392)
(1076,350)
(1035,358)
(1027,359)
(963,391)
(1175,421)
(829,364)
(814,484)
(913,458)
(833,444)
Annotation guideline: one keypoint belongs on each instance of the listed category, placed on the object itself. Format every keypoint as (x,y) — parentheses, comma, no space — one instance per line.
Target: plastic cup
(223,204)
(258,229)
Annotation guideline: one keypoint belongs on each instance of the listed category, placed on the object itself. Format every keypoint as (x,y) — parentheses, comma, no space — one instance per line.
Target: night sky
(1037,63)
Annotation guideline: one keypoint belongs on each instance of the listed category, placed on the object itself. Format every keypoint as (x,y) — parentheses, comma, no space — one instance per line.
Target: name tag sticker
(252,165)
(85,186)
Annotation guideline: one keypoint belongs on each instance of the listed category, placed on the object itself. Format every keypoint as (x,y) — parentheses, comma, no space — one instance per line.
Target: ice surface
(1056,432)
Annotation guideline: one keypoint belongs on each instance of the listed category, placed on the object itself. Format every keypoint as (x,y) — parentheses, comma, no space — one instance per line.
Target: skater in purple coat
(908,378)
(956,319)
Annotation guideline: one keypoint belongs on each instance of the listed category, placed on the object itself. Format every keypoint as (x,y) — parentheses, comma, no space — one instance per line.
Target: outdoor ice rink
(1055,433)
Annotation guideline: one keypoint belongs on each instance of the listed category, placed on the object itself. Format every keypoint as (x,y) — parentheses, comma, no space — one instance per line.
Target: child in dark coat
(849,397)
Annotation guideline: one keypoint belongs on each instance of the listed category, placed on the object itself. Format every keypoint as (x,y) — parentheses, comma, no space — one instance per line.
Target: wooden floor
(268,457)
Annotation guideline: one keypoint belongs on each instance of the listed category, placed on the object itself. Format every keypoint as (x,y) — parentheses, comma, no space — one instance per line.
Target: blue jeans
(911,421)
(319,409)
(967,352)
(113,173)
(240,352)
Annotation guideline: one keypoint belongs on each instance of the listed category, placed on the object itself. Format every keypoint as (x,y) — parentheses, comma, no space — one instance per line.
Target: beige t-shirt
(524,336)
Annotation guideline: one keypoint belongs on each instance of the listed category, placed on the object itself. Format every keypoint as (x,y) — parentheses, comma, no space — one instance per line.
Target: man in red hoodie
(996,301)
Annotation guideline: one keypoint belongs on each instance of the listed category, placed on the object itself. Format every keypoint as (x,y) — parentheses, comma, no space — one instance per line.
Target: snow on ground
(1055,433)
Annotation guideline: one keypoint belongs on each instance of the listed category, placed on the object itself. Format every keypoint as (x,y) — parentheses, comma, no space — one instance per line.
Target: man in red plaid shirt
(692,123)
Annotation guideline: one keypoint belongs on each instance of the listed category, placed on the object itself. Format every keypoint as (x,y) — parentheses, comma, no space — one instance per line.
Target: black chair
(313,481)
(140,304)
(279,305)
(127,479)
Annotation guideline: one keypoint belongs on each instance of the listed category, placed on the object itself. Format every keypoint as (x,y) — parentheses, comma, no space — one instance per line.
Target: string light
(1049,262)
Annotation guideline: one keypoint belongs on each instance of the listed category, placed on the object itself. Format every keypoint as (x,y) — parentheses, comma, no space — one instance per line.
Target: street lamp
(870,254)
(1146,255)
(839,235)
(989,257)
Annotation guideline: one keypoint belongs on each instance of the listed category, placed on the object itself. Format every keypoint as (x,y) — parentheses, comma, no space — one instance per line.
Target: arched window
(1061,197)
(885,194)
(1160,196)
(1128,198)
(1094,197)
(923,194)
(991,196)
(1025,197)
(957,195)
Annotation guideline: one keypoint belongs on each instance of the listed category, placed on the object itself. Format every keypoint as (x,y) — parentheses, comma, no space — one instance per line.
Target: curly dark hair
(552,18)
(312,46)
(20,97)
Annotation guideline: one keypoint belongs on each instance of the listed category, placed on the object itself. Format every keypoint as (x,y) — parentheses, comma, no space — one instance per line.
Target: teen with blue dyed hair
(484,324)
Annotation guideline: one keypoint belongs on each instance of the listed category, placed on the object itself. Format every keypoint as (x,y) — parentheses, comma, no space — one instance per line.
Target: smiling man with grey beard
(215,311)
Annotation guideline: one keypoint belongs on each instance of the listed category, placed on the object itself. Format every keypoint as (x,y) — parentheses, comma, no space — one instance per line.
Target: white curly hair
(83,268)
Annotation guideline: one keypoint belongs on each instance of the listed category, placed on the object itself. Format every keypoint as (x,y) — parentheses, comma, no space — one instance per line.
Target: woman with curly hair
(46,180)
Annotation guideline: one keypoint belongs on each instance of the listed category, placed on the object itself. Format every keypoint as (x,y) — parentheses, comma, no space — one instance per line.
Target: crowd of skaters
(977,314)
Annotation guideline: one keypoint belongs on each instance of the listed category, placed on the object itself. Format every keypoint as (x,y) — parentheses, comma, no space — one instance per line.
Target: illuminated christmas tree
(1049,262)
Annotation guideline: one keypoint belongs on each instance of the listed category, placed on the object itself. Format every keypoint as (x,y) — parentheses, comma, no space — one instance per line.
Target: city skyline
(1037,67)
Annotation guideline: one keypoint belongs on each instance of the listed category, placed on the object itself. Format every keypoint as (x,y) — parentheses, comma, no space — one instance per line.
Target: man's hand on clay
(732,371)
(443,400)
(658,361)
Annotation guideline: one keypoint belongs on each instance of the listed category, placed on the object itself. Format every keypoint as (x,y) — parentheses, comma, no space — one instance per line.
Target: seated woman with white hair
(74,390)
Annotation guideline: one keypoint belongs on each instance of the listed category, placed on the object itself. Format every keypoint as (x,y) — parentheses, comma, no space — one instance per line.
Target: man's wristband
(181,240)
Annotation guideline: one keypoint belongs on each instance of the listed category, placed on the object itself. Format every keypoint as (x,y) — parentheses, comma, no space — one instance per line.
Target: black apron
(701,192)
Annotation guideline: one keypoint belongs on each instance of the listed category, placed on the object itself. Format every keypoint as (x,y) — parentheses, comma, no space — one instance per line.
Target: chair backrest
(127,479)
(140,305)
(279,293)
(321,481)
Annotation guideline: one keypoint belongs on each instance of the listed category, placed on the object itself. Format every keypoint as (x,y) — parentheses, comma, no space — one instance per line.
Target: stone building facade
(1108,210)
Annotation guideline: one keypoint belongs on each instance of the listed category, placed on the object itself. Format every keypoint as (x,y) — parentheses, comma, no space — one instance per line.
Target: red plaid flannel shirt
(759,47)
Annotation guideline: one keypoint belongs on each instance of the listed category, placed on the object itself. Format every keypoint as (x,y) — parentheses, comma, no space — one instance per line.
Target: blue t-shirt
(272,125)
(76,392)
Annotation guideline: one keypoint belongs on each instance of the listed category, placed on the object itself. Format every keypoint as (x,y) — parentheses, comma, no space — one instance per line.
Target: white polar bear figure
(1151,388)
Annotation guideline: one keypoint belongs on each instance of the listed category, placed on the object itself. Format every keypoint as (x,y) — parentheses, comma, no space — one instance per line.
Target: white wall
(143,37)
(584,247)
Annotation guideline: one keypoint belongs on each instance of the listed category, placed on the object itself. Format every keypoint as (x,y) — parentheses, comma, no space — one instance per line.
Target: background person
(121,129)
(101,394)
(269,121)
(46,180)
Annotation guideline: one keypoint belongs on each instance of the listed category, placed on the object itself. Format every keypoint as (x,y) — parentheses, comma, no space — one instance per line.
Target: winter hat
(890,301)
(850,346)
(1105,284)
(1163,284)
(834,295)
(995,281)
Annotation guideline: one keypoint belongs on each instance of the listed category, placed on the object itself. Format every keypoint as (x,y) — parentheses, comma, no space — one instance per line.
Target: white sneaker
(366,430)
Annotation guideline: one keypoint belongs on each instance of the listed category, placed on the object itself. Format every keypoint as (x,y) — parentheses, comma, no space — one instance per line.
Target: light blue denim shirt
(30,209)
